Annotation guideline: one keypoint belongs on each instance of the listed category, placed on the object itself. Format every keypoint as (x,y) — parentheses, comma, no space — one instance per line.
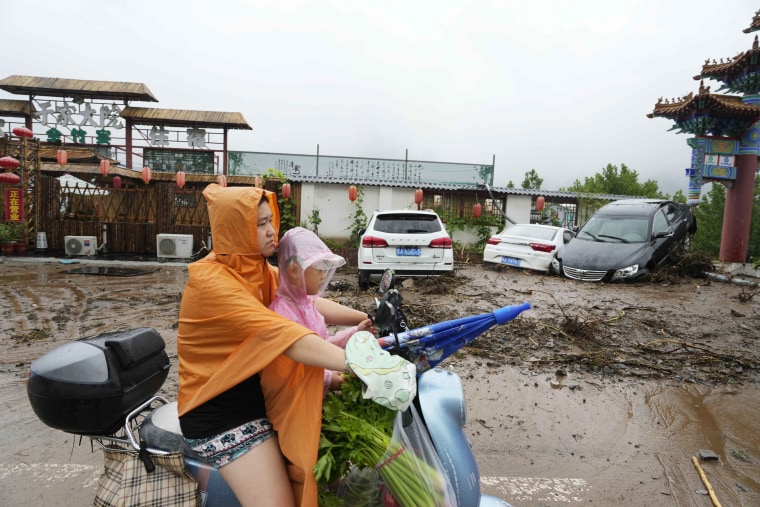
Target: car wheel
(687,243)
(363,280)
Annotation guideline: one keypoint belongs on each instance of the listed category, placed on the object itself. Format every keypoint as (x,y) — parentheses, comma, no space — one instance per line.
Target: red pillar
(737,214)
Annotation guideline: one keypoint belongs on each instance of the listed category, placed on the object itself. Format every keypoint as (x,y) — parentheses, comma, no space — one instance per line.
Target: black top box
(88,387)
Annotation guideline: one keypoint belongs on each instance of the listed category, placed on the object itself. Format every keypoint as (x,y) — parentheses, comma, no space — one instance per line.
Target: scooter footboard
(214,490)
(442,403)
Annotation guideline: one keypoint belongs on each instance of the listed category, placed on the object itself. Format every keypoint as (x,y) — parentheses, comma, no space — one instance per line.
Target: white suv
(410,242)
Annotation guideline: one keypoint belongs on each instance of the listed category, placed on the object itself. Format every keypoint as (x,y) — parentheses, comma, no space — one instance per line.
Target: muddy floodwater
(643,394)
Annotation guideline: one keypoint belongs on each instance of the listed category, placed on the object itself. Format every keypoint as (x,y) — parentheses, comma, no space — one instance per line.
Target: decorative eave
(740,74)
(707,113)
(76,88)
(16,108)
(754,25)
(184,118)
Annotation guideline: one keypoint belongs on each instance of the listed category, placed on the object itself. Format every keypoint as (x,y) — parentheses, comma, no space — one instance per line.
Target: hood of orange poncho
(226,333)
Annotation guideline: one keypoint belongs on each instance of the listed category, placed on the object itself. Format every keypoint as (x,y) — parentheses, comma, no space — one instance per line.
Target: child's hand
(367,325)
(336,380)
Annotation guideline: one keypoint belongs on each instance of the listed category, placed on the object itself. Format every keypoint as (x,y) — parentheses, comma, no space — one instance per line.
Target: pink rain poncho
(304,247)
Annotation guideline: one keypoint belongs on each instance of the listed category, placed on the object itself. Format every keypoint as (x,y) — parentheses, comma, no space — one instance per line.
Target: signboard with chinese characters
(720,167)
(722,160)
(14,205)
(244,163)
(79,120)
(159,136)
(171,161)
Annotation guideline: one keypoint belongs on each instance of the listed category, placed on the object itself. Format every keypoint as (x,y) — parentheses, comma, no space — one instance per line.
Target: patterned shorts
(230,445)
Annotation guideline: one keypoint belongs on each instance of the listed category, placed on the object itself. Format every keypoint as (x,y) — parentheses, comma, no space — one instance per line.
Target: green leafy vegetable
(358,432)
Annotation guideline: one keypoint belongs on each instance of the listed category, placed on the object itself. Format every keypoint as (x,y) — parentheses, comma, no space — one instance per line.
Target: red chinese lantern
(23,132)
(286,191)
(257,181)
(62,156)
(353,193)
(418,196)
(221,180)
(540,201)
(477,209)
(105,167)
(146,174)
(11,178)
(9,163)
(180,179)
(117,182)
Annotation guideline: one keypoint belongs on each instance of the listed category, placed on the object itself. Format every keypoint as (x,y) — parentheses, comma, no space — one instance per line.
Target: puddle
(109,271)
(543,438)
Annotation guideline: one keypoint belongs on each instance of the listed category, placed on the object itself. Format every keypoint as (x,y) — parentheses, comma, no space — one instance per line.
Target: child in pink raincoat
(306,267)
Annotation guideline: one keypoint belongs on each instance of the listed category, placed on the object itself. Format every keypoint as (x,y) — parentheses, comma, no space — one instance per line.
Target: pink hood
(304,247)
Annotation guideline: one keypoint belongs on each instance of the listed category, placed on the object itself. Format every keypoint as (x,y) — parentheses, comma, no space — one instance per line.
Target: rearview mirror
(386,281)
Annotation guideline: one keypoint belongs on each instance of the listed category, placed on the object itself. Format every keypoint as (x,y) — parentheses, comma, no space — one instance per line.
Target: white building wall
(336,210)
(518,208)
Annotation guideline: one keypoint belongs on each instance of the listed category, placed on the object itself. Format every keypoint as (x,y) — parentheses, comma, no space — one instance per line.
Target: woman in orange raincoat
(226,336)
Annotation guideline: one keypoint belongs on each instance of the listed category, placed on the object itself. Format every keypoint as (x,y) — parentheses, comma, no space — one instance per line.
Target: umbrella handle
(507,313)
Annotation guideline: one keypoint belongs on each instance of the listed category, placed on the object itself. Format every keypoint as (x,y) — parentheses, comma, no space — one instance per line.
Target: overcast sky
(562,87)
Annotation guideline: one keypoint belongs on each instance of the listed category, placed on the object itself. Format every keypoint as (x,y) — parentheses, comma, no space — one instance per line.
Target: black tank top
(236,406)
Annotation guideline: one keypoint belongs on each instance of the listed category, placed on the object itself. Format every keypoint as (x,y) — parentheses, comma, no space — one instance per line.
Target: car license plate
(408,252)
(511,261)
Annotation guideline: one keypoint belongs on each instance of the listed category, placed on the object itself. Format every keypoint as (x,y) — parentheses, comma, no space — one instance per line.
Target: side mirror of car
(575,229)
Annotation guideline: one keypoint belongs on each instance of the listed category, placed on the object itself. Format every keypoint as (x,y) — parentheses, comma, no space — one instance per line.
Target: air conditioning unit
(81,245)
(174,246)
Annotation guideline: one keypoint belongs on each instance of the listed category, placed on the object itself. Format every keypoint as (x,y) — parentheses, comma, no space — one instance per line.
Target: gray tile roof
(448,186)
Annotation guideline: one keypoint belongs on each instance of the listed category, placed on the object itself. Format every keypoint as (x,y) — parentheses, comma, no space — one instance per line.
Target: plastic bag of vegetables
(361,433)
(410,466)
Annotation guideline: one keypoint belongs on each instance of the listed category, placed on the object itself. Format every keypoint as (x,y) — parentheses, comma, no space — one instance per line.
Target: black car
(627,239)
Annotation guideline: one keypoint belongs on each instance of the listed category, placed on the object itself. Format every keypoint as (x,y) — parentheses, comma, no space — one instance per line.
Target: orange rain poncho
(226,333)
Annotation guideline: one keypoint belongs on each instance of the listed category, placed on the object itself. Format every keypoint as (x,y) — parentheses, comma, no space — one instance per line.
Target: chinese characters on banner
(14,205)
(159,136)
(77,114)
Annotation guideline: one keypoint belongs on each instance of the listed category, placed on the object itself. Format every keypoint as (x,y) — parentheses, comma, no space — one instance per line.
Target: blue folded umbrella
(430,345)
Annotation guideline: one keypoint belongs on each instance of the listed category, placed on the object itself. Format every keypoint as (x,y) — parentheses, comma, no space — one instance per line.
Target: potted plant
(6,239)
(19,239)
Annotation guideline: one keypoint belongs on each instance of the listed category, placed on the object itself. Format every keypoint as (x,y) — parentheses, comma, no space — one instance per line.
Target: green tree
(511,184)
(709,214)
(679,196)
(612,180)
(532,180)
(754,231)
(358,220)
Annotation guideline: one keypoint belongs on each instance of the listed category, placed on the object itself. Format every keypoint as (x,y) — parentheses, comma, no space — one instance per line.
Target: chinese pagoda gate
(726,142)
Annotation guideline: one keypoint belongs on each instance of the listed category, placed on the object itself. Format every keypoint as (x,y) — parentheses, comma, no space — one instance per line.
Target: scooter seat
(161,430)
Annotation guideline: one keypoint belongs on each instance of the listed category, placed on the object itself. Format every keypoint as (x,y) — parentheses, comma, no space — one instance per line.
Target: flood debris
(647,330)
(708,455)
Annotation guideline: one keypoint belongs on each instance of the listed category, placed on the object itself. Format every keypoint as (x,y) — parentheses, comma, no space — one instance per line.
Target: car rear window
(526,231)
(407,224)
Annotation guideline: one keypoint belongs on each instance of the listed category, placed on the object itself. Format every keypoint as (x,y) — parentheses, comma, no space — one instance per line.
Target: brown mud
(600,394)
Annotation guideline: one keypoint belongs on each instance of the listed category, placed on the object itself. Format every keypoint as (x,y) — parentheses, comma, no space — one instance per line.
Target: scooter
(105,388)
